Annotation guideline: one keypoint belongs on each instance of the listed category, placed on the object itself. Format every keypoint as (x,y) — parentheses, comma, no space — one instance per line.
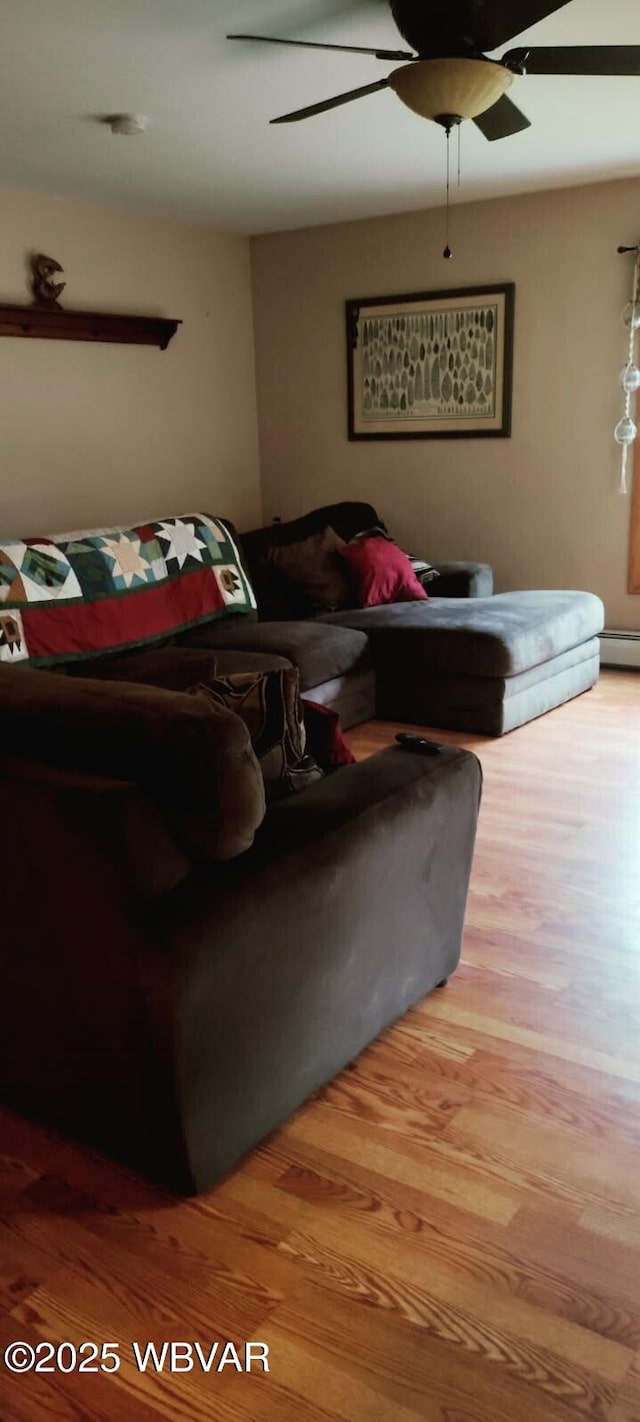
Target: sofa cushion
(486,705)
(79,595)
(319,657)
(193,758)
(380,573)
(269,704)
(314,568)
(494,636)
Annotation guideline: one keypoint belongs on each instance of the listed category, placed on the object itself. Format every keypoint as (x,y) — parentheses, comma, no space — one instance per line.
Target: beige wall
(102,434)
(542,507)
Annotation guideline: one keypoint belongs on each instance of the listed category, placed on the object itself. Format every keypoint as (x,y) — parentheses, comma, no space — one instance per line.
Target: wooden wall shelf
(56,324)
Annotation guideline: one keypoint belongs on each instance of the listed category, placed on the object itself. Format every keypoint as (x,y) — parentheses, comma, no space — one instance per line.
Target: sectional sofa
(182,965)
(468,659)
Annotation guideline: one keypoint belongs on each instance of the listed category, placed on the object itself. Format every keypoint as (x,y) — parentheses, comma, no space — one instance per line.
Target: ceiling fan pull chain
(447,254)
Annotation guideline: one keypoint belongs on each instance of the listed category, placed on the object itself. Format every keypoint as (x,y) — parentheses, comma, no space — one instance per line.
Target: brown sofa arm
(348,909)
(82,856)
(175,668)
(360,792)
(192,758)
(177,1038)
(59,817)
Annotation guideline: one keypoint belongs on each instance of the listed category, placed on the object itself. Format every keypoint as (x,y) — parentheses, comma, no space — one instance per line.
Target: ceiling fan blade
(321,108)
(576,59)
(390,54)
(497,21)
(501,120)
(484,24)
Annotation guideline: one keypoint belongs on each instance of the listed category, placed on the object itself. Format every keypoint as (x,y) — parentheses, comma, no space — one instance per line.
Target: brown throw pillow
(269,704)
(313,565)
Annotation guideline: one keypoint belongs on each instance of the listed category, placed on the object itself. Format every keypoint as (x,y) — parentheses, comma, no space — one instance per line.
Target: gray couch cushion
(493,636)
(320,652)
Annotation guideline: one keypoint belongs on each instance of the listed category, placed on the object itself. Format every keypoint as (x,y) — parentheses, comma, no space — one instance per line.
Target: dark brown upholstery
(227,661)
(178,1037)
(173,1014)
(147,857)
(176,668)
(194,759)
(169,1007)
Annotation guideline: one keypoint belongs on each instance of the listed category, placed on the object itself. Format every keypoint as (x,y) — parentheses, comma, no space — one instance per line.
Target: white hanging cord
(623,486)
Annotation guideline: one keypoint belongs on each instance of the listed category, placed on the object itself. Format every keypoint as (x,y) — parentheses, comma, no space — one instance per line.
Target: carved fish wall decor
(45,291)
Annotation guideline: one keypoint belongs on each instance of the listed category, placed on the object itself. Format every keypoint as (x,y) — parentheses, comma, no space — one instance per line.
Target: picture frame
(431,364)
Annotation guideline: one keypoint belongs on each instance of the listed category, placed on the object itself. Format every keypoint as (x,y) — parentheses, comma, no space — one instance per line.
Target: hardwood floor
(450,1231)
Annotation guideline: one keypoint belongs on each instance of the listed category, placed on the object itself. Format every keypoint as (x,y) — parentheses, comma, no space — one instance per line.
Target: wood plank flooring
(450,1231)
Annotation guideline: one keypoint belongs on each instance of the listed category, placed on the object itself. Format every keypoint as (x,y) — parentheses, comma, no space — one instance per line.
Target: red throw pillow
(325,741)
(381,572)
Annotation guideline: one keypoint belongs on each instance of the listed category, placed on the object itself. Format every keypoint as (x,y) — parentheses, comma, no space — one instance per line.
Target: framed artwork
(433,365)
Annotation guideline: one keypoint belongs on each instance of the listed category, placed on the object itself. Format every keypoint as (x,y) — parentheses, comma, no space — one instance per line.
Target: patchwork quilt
(78,595)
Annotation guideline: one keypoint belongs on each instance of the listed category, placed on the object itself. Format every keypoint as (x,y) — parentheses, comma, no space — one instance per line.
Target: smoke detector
(127,124)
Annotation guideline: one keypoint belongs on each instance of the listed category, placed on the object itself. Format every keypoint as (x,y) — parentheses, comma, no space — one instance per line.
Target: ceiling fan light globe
(460,87)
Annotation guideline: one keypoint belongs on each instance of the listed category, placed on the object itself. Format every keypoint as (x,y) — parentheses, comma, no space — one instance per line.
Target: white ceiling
(210,154)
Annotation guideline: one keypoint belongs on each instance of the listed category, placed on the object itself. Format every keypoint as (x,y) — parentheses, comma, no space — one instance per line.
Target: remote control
(419,744)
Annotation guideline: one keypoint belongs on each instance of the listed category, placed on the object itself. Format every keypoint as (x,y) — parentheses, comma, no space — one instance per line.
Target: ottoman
(484,664)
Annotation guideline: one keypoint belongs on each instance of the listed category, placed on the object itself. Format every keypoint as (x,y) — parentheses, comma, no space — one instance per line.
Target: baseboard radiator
(620,649)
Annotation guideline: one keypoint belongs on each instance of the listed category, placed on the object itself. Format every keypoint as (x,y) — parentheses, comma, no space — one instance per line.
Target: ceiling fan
(448,78)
